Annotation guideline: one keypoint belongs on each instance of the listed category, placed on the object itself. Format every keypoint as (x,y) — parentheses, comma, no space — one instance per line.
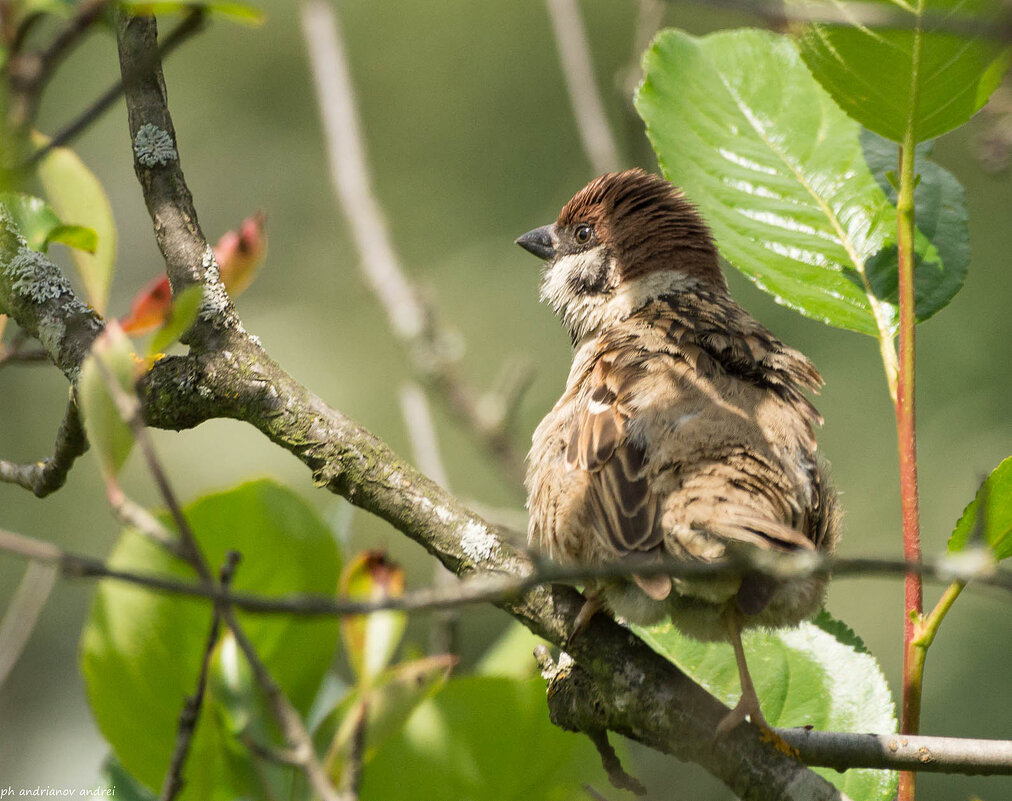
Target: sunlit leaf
(512,654)
(109,434)
(74,236)
(241,714)
(141,650)
(932,68)
(483,738)
(780,174)
(386,704)
(183,312)
(994,526)
(818,674)
(77,196)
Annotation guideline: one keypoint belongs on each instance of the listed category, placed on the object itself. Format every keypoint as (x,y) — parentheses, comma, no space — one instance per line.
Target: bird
(684,432)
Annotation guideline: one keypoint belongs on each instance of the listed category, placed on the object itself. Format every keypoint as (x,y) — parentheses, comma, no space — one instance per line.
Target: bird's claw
(748,707)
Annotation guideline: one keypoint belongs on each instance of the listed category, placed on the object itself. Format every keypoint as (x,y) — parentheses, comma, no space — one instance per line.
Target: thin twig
(23,613)
(18,355)
(493,587)
(188,717)
(187,27)
(130,513)
(50,474)
(410,318)
(354,763)
(588,108)
(28,72)
(844,750)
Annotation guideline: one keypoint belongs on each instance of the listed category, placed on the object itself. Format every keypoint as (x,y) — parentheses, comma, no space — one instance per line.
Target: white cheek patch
(587,312)
(576,269)
(563,284)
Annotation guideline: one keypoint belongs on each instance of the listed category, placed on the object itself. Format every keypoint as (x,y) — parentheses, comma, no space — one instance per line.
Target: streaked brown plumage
(684,430)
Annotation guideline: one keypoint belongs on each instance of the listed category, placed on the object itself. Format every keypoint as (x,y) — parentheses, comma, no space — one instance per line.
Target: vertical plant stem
(913,655)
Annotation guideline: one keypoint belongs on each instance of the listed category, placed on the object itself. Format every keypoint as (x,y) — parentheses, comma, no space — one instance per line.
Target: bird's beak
(539,242)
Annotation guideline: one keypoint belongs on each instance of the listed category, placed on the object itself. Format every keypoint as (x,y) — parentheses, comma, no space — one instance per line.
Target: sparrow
(684,432)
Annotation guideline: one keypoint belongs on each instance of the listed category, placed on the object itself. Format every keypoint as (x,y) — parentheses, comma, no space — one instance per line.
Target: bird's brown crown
(648,224)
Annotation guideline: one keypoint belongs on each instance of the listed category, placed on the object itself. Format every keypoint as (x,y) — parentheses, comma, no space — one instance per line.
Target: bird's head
(623,240)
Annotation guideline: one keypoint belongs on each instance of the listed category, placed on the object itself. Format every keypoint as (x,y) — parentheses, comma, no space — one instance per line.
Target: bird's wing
(623,511)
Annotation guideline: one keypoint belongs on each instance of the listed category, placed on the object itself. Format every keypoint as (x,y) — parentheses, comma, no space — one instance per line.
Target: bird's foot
(748,707)
(591,606)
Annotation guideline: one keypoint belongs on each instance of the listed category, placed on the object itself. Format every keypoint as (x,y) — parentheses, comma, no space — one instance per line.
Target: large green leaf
(995,525)
(79,199)
(818,674)
(141,650)
(487,738)
(931,64)
(781,174)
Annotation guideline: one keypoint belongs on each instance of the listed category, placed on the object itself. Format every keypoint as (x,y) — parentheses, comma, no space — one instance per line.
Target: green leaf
(74,236)
(932,70)
(78,198)
(512,654)
(818,674)
(239,12)
(487,738)
(34,217)
(123,786)
(942,235)
(40,226)
(109,434)
(780,174)
(184,311)
(996,526)
(388,703)
(240,710)
(141,650)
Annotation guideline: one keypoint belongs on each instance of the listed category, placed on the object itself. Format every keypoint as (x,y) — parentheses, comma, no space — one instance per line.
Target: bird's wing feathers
(620,499)
(741,345)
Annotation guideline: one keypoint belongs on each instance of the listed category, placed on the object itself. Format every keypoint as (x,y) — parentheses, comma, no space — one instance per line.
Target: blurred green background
(472,142)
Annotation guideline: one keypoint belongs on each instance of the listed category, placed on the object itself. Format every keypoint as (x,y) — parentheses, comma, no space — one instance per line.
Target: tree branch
(50,474)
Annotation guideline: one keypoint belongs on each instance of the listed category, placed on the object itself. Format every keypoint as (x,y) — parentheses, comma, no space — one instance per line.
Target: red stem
(913,656)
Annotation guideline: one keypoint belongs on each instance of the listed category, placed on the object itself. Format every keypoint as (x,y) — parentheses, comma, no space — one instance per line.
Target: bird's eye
(582,234)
